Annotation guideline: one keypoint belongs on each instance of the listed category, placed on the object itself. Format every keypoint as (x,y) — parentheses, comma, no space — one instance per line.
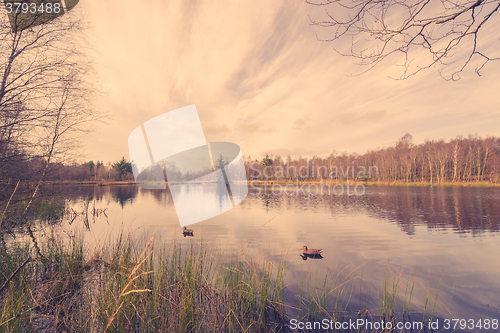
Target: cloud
(214,129)
(260,78)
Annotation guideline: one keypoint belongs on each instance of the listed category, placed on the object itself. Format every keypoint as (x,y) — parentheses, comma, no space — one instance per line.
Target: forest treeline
(30,169)
(464,159)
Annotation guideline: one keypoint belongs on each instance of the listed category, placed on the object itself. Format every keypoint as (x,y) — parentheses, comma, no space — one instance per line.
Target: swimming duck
(311,252)
(187,231)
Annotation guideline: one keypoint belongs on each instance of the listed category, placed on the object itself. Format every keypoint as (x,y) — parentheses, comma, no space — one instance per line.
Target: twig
(35,243)
(8,202)
(262,226)
(13,274)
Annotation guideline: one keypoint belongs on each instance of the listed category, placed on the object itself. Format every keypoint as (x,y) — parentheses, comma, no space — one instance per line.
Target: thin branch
(14,274)
(441,33)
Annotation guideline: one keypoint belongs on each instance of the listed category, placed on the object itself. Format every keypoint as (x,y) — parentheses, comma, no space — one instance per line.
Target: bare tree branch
(421,33)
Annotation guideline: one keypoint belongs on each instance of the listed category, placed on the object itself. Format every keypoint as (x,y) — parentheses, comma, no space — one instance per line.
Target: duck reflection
(311,256)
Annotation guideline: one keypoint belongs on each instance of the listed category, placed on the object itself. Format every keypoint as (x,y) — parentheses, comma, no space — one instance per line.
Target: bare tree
(43,90)
(432,32)
(45,98)
(68,115)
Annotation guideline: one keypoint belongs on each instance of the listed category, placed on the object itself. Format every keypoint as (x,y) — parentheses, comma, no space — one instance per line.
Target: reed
(131,287)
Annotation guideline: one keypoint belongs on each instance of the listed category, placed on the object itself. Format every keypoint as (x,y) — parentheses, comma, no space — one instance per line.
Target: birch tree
(43,90)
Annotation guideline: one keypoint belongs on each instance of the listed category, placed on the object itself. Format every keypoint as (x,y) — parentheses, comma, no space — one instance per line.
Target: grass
(130,288)
(139,287)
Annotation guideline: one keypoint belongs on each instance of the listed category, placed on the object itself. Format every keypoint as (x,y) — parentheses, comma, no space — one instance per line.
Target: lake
(441,242)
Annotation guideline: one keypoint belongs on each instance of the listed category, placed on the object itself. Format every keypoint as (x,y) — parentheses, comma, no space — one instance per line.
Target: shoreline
(374,184)
(281,182)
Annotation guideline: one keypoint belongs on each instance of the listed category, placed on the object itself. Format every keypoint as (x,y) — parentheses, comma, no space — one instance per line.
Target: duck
(187,231)
(311,252)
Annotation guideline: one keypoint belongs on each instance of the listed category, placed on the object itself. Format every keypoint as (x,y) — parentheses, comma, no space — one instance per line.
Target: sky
(260,78)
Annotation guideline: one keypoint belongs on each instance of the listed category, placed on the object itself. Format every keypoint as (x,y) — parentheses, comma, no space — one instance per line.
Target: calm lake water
(446,240)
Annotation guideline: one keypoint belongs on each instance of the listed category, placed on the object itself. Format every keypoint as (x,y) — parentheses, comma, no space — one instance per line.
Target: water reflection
(123,194)
(461,209)
(414,234)
(311,256)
